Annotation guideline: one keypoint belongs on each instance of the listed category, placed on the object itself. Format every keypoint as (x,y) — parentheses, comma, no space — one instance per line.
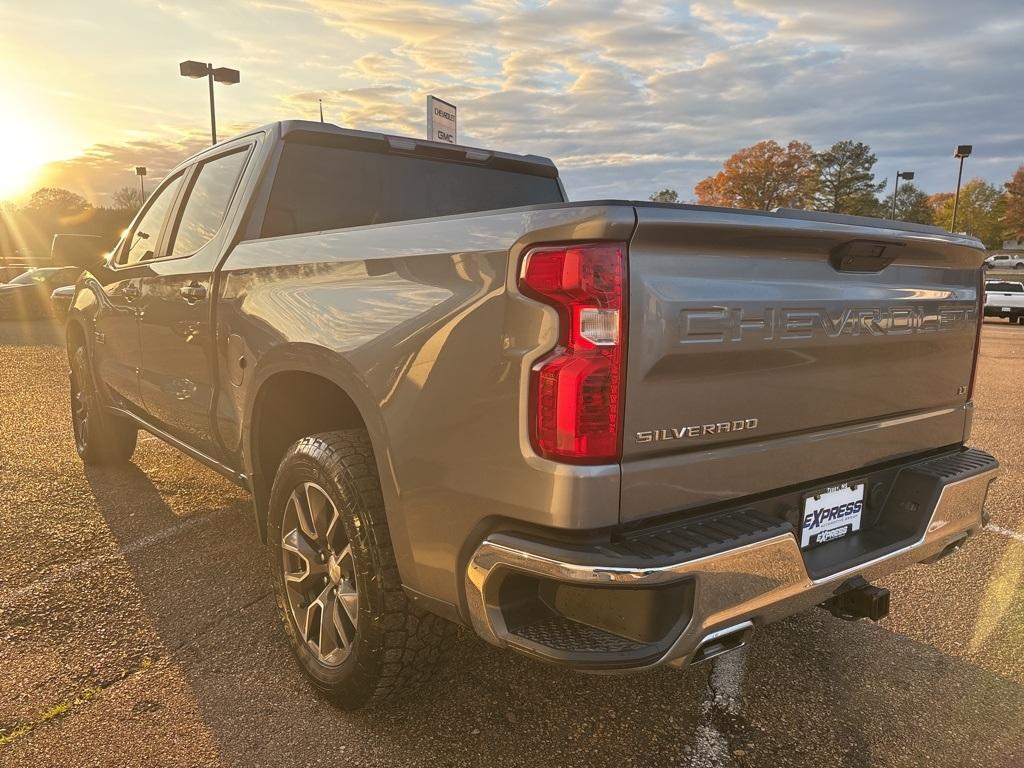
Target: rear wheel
(100,436)
(352,628)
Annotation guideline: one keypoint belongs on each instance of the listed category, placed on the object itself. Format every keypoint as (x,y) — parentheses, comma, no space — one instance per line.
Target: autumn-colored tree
(911,205)
(665,196)
(981,212)
(846,180)
(763,176)
(937,202)
(1014,218)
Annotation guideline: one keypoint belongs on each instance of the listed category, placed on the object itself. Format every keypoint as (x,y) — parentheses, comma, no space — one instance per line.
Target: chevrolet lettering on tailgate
(721,324)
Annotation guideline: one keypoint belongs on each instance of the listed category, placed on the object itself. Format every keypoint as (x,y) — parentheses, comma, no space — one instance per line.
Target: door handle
(193,292)
(131,291)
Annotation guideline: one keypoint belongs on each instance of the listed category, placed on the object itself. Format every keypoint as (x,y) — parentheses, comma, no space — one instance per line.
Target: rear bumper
(662,596)
(998,311)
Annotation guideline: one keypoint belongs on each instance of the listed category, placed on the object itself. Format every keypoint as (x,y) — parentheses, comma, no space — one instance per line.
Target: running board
(222,469)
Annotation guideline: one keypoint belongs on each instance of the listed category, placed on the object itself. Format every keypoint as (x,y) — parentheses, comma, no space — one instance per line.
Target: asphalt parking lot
(137,628)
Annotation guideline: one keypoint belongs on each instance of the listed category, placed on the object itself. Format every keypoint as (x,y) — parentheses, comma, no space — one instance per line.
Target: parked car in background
(27,296)
(1005,298)
(30,293)
(1005,261)
(9,272)
(60,300)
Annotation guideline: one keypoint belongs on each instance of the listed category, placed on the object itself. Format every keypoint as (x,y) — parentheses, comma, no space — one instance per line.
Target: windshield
(46,275)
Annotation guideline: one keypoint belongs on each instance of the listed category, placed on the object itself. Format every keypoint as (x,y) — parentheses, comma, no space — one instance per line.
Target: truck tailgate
(767,350)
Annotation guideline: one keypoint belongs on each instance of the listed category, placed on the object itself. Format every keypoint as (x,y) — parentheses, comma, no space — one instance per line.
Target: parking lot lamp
(906,175)
(197,69)
(140,171)
(963,151)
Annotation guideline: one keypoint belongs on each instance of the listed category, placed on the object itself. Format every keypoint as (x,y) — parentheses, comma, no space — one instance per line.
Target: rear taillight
(576,391)
(977,336)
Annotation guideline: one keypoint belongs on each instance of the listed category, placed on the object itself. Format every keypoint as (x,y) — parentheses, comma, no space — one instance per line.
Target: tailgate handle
(863,255)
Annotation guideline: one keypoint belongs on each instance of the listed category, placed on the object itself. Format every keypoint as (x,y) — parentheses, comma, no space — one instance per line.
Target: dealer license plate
(831,514)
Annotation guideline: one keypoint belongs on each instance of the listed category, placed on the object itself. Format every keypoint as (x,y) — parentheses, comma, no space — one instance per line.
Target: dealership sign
(440,120)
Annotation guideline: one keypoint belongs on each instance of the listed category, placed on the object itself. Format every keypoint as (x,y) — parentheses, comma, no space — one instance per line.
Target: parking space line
(1010,534)
(83,566)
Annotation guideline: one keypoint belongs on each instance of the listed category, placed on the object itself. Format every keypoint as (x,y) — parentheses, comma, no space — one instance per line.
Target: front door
(117,355)
(178,373)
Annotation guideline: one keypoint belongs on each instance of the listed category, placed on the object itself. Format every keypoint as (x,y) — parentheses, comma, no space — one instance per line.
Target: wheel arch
(301,389)
(75,335)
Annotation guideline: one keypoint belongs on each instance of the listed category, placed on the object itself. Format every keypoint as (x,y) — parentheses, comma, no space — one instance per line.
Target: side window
(208,202)
(143,242)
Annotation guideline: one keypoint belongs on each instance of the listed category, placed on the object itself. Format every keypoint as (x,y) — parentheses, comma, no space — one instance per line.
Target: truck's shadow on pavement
(171,615)
(810,691)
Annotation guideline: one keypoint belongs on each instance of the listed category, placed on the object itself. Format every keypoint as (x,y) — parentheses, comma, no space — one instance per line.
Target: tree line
(27,230)
(841,179)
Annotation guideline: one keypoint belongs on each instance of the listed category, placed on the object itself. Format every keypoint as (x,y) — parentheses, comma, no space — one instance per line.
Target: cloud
(630,96)
(104,168)
(664,91)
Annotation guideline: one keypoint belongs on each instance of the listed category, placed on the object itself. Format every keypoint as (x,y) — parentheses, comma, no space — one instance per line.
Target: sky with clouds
(627,96)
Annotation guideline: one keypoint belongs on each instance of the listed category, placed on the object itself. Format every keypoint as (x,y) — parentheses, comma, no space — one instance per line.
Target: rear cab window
(1004,287)
(320,187)
(212,188)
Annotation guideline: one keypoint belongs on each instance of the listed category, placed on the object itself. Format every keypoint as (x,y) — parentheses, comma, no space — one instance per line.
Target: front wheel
(100,437)
(353,630)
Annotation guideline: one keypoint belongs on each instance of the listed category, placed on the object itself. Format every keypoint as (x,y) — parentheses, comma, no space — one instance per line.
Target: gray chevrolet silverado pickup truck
(604,434)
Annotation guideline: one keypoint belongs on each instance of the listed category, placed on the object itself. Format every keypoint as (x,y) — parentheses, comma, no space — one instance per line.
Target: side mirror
(85,251)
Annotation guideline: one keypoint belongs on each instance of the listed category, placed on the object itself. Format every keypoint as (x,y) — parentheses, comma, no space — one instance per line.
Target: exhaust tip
(950,549)
(722,641)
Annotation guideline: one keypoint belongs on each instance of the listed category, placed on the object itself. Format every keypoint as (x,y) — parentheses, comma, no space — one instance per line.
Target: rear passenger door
(178,373)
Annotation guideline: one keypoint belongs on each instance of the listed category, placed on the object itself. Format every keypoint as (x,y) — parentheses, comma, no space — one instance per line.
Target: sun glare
(25,147)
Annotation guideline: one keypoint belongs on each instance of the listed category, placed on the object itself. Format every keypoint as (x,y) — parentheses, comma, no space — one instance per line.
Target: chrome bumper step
(737,566)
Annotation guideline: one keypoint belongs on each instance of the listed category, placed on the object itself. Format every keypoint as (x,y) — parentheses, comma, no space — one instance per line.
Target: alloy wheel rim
(79,409)
(319,574)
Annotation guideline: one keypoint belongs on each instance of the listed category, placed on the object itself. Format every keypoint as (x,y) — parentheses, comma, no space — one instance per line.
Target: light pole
(963,151)
(140,171)
(907,176)
(196,69)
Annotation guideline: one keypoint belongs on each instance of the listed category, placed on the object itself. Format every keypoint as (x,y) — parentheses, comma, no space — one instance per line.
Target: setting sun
(25,147)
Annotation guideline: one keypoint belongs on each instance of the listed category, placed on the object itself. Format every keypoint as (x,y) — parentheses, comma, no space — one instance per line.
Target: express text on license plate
(831,514)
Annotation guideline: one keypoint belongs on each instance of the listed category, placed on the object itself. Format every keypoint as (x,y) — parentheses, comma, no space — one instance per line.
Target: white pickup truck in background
(1005,261)
(1005,298)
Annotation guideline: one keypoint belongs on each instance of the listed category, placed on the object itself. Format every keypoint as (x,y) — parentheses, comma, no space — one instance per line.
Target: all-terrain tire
(101,437)
(395,645)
